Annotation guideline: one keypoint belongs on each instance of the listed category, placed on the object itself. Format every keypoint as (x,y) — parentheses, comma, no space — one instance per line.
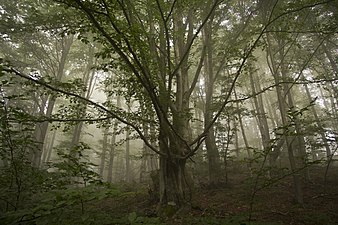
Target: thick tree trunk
(213,158)
(174,189)
(173,139)
(210,141)
(173,185)
(47,152)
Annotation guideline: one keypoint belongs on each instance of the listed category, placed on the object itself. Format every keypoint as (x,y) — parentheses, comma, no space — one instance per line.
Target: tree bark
(283,98)
(113,145)
(319,124)
(42,128)
(88,79)
(104,152)
(241,125)
(48,150)
(213,156)
(260,114)
(127,155)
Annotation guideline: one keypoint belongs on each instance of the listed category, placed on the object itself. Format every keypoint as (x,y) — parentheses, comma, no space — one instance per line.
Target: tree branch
(88,101)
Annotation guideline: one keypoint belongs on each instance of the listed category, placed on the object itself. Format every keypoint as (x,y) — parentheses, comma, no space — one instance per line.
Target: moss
(167,211)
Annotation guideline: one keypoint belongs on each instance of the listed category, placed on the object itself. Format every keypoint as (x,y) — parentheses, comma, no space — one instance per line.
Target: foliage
(148,53)
(74,166)
(16,146)
(47,205)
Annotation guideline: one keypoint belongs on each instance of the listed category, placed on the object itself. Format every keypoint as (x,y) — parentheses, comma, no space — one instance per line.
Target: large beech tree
(154,45)
(150,42)
(158,50)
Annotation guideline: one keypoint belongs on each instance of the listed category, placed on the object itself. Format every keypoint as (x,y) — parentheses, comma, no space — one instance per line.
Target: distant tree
(158,52)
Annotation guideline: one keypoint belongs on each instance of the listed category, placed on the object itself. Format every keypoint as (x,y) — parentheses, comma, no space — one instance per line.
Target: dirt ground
(233,203)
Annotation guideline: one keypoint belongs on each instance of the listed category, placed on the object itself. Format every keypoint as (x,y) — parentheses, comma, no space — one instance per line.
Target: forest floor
(228,204)
(231,203)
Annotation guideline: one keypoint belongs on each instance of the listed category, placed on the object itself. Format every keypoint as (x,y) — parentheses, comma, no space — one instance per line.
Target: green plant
(75,167)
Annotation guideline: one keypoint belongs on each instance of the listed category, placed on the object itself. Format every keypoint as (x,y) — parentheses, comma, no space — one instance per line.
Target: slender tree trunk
(144,165)
(245,140)
(330,108)
(333,85)
(104,152)
(289,130)
(260,113)
(113,146)
(88,80)
(300,143)
(49,148)
(272,115)
(111,158)
(236,139)
(149,159)
(225,145)
(42,128)
(153,159)
(128,168)
(319,124)
(241,125)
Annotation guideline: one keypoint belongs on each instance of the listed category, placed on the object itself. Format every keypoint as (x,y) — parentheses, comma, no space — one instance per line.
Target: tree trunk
(149,160)
(88,80)
(111,158)
(173,185)
(49,148)
(213,156)
(288,130)
(113,145)
(319,124)
(241,125)
(143,167)
(333,88)
(260,113)
(42,128)
(153,159)
(127,155)
(263,123)
(236,144)
(104,151)
(174,189)
(173,139)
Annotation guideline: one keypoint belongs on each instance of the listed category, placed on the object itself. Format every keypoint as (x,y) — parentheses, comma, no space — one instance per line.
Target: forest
(169,112)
